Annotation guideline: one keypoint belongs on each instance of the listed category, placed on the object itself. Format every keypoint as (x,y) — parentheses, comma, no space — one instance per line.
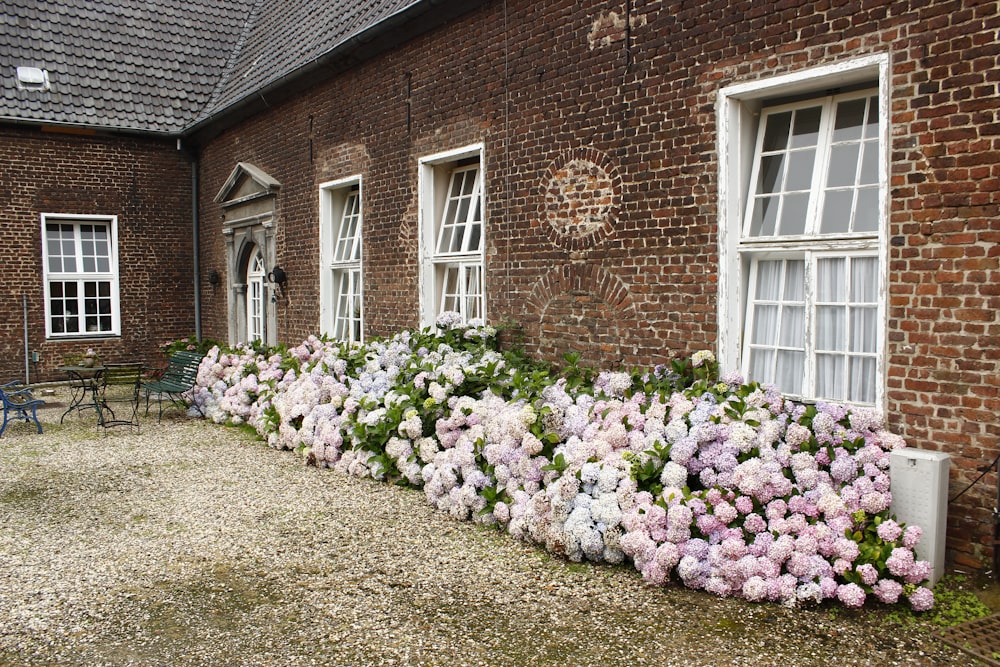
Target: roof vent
(32,78)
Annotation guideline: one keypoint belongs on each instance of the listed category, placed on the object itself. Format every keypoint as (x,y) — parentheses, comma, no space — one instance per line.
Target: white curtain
(777,353)
(846,328)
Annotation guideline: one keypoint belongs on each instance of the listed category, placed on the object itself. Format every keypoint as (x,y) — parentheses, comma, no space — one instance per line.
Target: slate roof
(166,66)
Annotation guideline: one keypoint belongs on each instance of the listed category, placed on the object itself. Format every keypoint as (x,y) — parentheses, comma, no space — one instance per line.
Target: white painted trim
(112,221)
(426,212)
(737,107)
(328,192)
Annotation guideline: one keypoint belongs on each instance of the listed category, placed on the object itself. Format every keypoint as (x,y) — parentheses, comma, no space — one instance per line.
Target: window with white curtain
(80,262)
(341,311)
(809,244)
(452,214)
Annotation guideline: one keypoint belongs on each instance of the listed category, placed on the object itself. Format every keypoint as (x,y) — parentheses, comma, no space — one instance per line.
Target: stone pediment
(245,184)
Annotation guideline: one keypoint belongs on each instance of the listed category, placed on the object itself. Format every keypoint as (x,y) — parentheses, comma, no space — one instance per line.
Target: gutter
(83,129)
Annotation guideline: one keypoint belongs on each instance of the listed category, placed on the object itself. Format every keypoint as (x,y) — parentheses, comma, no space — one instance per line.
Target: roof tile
(165,66)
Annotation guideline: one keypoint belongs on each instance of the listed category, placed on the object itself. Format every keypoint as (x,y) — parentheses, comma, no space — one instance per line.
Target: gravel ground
(193,544)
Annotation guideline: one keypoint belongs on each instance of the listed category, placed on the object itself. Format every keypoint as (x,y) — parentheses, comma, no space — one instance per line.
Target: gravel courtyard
(193,544)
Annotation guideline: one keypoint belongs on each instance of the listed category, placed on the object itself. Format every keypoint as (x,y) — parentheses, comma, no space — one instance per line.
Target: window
(452,214)
(340,281)
(80,260)
(255,297)
(804,254)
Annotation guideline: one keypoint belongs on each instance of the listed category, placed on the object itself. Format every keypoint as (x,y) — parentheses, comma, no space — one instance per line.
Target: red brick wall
(146,184)
(619,98)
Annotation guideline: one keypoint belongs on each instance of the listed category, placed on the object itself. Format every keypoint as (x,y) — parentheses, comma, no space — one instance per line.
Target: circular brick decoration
(582,196)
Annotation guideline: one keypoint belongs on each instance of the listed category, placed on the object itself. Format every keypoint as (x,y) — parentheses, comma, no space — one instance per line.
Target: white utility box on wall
(919,486)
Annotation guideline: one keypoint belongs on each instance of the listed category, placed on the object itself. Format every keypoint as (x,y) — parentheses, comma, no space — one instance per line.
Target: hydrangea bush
(719,484)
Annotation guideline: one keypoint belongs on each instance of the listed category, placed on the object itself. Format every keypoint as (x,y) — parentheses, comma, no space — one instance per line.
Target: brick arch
(585,309)
(580,195)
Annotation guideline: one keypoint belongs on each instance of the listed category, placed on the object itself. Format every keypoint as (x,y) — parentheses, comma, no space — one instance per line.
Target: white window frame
(434,180)
(80,277)
(738,114)
(333,199)
(256,297)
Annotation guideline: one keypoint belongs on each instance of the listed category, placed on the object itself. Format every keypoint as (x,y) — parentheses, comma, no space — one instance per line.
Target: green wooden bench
(179,377)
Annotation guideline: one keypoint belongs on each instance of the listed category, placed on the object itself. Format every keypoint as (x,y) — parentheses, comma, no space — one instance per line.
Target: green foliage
(578,378)
(647,467)
(955,602)
(492,497)
(191,344)
(558,464)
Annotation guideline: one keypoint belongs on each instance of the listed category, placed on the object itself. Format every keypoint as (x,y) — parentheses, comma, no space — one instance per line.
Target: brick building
(808,189)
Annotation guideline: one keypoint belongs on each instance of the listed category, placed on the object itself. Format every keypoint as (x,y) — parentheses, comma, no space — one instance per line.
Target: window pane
(831,328)
(793,214)
(55,260)
(850,118)
(347,316)
(765,324)
(461,216)
(445,243)
(460,213)
(832,280)
(470,183)
(473,293)
(806,130)
(869,165)
(776,333)
(776,134)
(795,280)
(790,370)
(864,280)
(843,165)
(449,290)
(771,168)
(862,379)
(830,376)
(768,280)
(837,211)
(475,237)
(871,128)
(863,329)
(765,216)
(792,326)
(800,170)
(348,244)
(761,366)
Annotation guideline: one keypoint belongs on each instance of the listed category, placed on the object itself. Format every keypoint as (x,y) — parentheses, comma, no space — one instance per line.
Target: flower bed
(722,485)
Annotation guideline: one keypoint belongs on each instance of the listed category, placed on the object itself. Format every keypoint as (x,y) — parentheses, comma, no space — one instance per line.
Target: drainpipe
(27,374)
(192,156)
(196,246)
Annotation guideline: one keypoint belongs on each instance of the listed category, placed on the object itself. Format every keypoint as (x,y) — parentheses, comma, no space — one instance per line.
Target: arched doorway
(248,201)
